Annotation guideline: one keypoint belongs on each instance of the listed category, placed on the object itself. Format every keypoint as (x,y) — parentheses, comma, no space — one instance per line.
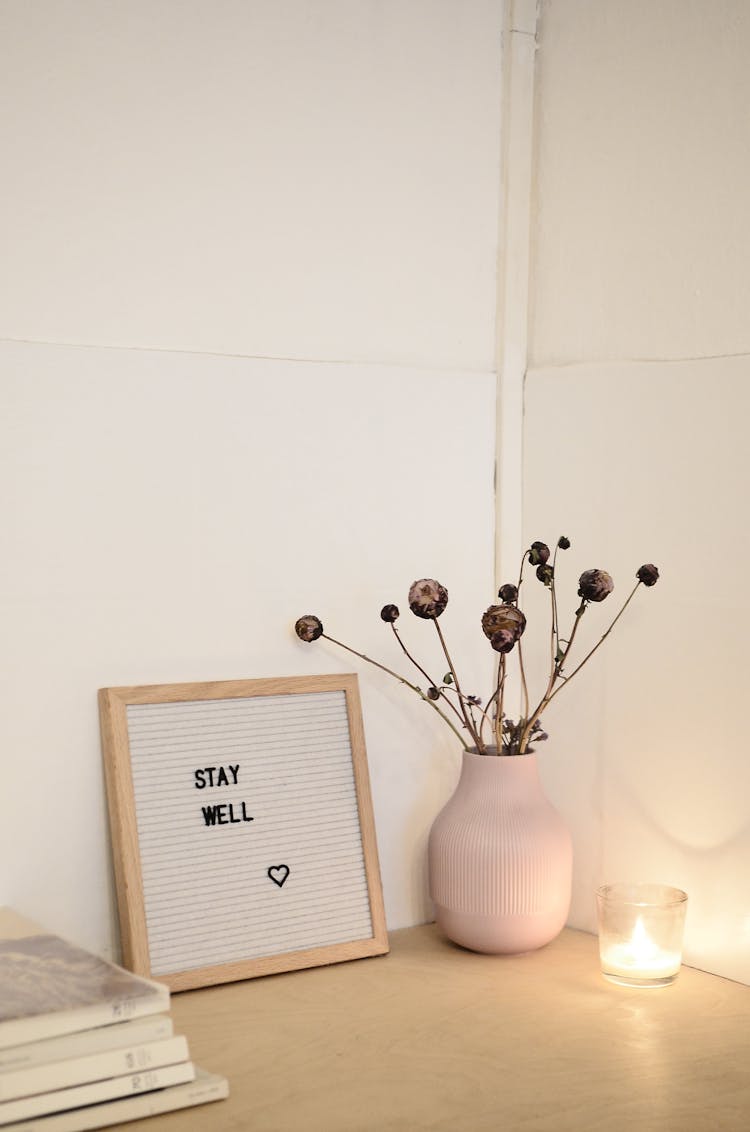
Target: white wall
(304,178)
(185,181)
(643,151)
(635,441)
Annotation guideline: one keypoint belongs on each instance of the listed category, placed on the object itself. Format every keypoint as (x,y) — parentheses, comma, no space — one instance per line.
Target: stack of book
(85,1044)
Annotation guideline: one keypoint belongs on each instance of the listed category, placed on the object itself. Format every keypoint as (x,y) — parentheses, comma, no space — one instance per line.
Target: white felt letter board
(242,827)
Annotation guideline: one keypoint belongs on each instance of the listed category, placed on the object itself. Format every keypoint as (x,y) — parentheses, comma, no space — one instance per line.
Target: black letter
(209,814)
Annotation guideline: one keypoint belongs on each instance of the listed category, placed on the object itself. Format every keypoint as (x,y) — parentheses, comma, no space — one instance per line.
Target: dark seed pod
(308,628)
(538,554)
(427,598)
(389,613)
(503,640)
(499,618)
(545,574)
(595,585)
(648,574)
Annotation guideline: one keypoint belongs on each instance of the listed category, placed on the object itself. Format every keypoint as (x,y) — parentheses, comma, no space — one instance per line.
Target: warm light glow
(640,933)
(640,957)
(641,944)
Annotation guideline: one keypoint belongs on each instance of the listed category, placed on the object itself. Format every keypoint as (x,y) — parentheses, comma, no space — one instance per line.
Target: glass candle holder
(640,933)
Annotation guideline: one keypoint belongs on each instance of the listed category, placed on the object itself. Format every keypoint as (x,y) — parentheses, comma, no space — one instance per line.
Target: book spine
(152,1028)
(205,1088)
(90,1068)
(18,1031)
(111,1089)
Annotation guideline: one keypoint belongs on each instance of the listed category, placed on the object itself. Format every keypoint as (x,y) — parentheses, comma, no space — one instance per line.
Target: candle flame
(643,947)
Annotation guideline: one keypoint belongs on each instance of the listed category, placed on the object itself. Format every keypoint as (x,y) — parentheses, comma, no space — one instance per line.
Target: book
(48,986)
(60,1100)
(149,1029)
(91,1067)
(205,1088)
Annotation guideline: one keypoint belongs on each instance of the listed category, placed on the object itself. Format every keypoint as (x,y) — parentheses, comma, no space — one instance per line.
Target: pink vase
(500,858)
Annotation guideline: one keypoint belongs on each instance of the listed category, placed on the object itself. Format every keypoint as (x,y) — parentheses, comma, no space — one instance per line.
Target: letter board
(242,827)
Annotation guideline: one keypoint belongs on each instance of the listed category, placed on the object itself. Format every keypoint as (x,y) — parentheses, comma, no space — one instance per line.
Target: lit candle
(640,933)
(640,957)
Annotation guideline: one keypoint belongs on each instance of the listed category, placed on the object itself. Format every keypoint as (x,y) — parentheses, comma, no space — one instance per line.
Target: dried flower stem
(499,695)
(467,719)
(426,675)
(524,685)
(600,642)
(402,680)
(522,670)
(475,730)
(555,630)
(486,710)
(557,672)
(520,571)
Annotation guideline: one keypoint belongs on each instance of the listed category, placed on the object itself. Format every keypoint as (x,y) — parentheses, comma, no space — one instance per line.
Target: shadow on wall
(647,461)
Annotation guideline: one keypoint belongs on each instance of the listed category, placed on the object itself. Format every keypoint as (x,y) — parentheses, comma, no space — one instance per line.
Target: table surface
(435,1037)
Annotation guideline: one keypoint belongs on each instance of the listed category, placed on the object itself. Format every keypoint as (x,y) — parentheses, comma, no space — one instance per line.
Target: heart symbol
(278,874)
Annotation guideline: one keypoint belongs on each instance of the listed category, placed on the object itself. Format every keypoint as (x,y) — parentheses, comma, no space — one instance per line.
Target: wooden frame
(206,897)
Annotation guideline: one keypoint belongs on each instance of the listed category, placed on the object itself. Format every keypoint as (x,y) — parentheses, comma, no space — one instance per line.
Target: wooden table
(434,1037)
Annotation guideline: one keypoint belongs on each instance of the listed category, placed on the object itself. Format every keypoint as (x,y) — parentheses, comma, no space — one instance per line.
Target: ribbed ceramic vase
(500,858)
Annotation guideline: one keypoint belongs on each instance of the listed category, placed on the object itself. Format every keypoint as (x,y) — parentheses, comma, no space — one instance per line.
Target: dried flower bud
(563,543)
(427,598)
(308,628)
(545,574)
(508,592)
(503,618)
(648,574)
(475,700)
(595,585)
(433,694)
(538,554)
(503,640)
(389,613)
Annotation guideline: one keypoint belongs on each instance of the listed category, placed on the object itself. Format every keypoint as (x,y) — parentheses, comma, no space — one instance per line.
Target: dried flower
(503,625)
(308,628)
(648,574)
(503,618)
(595,585)
(538,553)
(503,640)
(389,613)
(427,598)
(545,574)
